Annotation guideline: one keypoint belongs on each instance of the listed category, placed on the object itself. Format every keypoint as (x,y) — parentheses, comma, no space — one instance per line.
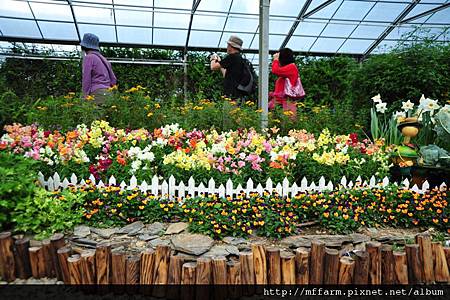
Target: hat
(90,41)
(409,122)
(235,42)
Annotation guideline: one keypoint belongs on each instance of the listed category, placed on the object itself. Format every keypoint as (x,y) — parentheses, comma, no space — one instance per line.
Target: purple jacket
(97,73)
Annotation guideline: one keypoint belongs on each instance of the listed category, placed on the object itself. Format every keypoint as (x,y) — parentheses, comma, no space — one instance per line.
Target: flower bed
(340,210)
(103,151)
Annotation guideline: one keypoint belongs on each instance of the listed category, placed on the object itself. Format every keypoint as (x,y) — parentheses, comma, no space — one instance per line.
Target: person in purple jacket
(98,75)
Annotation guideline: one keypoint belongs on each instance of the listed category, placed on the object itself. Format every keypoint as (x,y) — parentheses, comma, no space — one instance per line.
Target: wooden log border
(425,262)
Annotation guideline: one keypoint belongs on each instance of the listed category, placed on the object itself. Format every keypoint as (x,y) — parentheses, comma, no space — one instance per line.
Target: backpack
(249,81)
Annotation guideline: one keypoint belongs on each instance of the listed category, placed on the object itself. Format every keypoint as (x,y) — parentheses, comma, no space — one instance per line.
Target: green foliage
(47,213)
(405,73)
(17,184)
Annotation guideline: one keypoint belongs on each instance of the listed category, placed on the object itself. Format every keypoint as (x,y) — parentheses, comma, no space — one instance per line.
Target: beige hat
(235,42)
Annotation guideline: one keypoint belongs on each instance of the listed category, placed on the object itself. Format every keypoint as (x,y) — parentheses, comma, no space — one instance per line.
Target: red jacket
(288,71)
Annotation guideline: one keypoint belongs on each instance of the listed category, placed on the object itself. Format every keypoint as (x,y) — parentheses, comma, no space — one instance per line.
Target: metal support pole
(185,78)
(263,91)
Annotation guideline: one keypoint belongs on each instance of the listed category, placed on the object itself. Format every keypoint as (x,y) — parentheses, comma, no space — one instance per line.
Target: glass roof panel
(385,12)
(286,7)
(235,24)
(280,26)
(328,11)
(369,31)
(245,6)
(185,4)
(353,10)
(338,30)
(309,28)
(442,16)
(104,33)
(55,12)
(297,43)
(214,5)
(275,41)
(143,3)
(315,4)
(169,37)
(11,8)
(133,17)
(420,8)
(208,22)
(134,35)
(401,33)
(168,19)
(204,38)
(327,45)
(94,15)
(53,30)
(355,46)
(93,1)
(19,28)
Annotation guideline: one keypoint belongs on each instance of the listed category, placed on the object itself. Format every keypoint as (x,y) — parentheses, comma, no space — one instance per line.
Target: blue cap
(90,41)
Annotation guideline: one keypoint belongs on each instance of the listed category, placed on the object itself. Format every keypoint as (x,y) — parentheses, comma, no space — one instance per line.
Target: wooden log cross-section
(361,275)
(302,265)
(414,264)
(346,269)
(37,262)
(188,278)
(247,272)
(48,260)
(316,262)
(273,266)
(331,266)
(63,254)
(374,250)
(400,268)
(75,269)
(118,267)
(102,263)
(259,263)
(426,257)
(441,270)
(147,266)
(22,258)
(287,268)
(175,276)
(57,242)
(88,267)
(387,265)
(7,263)
(234,279)
(161,270)
(132,270)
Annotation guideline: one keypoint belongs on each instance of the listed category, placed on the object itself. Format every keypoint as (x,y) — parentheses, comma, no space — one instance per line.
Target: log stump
(302,265)
(7,263)
(316,262)
(374,250)
(361,275)
(331,266)
(22,258)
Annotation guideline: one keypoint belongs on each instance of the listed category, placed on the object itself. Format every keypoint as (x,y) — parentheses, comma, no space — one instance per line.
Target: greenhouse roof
(318,27)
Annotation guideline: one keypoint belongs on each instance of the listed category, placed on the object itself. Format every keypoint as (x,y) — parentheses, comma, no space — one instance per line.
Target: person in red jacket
(284,67)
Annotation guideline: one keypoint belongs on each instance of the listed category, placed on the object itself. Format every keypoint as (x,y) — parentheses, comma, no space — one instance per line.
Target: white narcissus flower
(381,107)
(407,106)
(429,105)
(399,114)
(377,98)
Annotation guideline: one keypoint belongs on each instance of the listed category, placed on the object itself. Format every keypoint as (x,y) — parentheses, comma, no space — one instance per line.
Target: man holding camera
(232,68)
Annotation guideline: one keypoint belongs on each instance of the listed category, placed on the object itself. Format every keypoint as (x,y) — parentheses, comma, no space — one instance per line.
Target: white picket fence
(171,189)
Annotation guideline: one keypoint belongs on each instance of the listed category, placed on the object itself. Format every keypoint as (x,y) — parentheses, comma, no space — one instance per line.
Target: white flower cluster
(141,158)
(169,130)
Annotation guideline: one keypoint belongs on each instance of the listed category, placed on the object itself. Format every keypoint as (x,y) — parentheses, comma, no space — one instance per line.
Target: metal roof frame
(388,30)
(303,15)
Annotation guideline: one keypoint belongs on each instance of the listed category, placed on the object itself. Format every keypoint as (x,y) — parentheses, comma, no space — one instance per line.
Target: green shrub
(47,213)
(17,184)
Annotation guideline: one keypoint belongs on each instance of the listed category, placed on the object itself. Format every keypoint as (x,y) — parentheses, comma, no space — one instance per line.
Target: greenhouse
(210,149)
